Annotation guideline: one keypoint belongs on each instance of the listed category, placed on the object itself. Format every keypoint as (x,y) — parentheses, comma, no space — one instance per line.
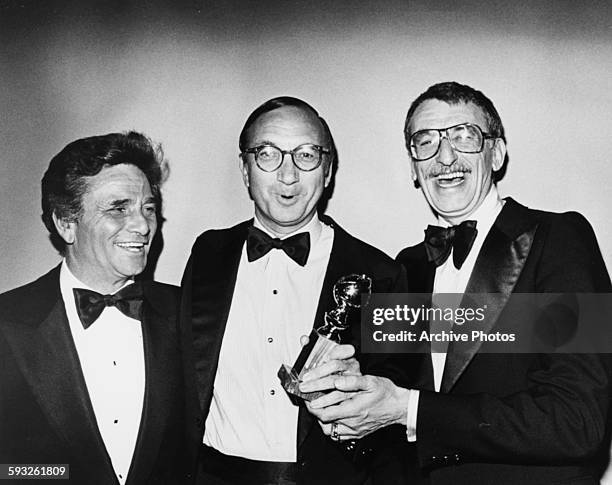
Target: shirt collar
(486,213)
(314,228)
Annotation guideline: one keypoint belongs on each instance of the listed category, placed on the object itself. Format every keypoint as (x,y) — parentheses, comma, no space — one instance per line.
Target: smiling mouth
(450,179)
(133,247)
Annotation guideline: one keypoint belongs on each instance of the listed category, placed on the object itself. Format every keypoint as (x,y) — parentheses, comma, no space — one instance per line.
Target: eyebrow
(264,142)
(119,202)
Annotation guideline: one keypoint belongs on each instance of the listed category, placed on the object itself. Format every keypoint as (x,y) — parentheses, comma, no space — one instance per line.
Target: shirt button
(275,292)
(272,392)
(270,340)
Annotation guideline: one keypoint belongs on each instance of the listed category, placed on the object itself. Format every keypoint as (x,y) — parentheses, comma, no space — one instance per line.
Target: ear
(65,228)
(498,154)
(413,173)
(244,169)
(328,172)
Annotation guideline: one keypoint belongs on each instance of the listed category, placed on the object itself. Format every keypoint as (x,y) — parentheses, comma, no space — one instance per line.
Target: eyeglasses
(465,138)
(306,157)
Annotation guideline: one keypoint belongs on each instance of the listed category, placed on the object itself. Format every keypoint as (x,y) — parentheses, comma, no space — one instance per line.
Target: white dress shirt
(111,354)
(273,305)
(449,279)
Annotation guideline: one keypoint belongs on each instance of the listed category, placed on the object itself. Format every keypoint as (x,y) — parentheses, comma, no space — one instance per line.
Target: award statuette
(348,292)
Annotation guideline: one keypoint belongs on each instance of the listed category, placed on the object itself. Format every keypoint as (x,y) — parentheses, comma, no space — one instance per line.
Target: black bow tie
(296,247)
(440,240)
(91,304)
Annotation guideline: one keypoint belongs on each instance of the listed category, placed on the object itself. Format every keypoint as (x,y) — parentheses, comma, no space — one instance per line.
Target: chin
(129,270)
(451,205)
(288,220)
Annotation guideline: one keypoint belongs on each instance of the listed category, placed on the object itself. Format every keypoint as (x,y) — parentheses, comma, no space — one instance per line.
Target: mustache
(438,170)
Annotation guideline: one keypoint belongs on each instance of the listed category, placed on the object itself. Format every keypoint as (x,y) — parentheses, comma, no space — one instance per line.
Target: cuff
(411,420)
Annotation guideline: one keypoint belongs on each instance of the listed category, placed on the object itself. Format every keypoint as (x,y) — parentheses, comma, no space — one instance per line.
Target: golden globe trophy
(350,291)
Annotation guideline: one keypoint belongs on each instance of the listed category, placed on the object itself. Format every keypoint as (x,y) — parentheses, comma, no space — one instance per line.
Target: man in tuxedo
(90,370)
(251,291)
(487,417)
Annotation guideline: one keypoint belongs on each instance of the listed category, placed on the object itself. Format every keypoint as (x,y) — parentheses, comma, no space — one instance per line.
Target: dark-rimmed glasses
(465,138)
(269,158)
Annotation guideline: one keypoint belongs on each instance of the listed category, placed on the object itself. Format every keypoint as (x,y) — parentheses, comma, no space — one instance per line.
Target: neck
(99,283)
(487,203)
(282,231)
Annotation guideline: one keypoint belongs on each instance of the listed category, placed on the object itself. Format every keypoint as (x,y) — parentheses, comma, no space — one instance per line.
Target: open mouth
(287,198)
(133,247)
(451,179)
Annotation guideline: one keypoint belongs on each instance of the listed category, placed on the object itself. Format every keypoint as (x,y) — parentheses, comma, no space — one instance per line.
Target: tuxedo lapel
(342,261)
(420,272)
(214,270)
(335,267)
(420,279)
(161,356)
(498,267)
(45,352)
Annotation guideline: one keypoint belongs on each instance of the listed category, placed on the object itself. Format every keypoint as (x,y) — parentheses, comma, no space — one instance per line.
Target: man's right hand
(360,405)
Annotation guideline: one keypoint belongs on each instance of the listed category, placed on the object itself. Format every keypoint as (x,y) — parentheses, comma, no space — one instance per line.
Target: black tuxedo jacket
(46,415)
(517,418)
(208,286)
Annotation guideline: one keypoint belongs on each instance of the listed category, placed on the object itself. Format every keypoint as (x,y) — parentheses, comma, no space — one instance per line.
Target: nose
(139,223)
(446,153)
(288,173)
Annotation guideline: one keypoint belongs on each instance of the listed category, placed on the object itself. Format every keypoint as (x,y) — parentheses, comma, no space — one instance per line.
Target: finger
(353,383)
(342,433)
(339,412)
(304,340)
(340,352)
(326,428)
(351,435)
(330,399)
(326,369)
(321,384)
(352,368)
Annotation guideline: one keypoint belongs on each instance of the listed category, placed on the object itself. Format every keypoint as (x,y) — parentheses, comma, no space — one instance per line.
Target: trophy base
(291,382)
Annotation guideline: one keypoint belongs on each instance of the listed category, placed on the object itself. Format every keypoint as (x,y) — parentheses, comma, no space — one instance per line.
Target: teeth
(130,245)
(451,175)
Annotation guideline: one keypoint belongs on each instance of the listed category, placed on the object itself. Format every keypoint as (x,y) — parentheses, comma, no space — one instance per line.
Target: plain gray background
(188,73)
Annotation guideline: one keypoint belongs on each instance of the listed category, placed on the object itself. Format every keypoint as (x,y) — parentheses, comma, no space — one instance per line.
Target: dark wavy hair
(281,102)
(65,181)
(455,93)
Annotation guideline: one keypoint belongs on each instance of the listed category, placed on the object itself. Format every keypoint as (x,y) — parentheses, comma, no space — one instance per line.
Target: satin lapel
(161,389)
(213,283)
(420,272)
(420,276)
(48,359)
(342,261)
(424,280)
(497,268)
(338,265)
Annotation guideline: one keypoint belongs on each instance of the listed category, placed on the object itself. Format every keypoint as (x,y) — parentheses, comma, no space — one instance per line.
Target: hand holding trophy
(351,291)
